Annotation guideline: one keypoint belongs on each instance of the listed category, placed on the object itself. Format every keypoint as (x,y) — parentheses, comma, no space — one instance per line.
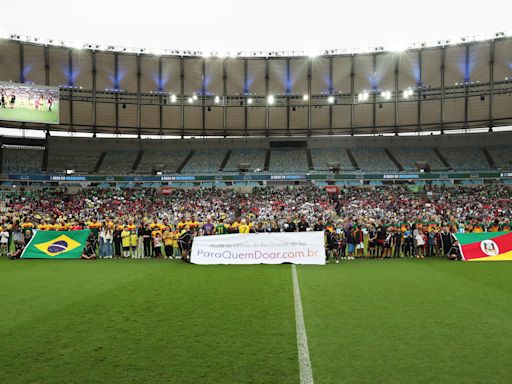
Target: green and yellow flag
(56,245)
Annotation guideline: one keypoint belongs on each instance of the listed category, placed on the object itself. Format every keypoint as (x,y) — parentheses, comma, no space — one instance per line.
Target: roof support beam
(94,112)
(203,96)
(310,69)
(331,92)
(419,87)
(71,84)
(224,98)
(139,75)
(267,108)
(374,95)
(160,99)
(352,93)
(442,68)
(397,92)
(491,83)
(466,86)
(182,98)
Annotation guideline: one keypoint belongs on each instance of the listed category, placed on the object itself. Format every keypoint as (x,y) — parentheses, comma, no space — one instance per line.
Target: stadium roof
(447,85)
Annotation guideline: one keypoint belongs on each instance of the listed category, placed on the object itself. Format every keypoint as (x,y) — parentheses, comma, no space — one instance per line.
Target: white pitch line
(306,373)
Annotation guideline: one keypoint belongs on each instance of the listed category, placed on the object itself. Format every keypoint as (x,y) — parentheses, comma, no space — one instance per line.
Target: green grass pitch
(160,321)
(43,117)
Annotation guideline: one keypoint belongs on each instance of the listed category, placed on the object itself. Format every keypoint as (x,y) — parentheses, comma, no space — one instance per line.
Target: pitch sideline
(306,373)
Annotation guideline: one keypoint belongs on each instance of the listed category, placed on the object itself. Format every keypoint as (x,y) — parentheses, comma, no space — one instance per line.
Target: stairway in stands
(225,161)
(100,162)
(394,159)
(137,161)
(182,165)
(352,158)
(442,159)
(267,161)
(489,158)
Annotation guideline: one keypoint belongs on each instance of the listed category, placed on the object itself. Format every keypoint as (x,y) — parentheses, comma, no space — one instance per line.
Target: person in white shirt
(4,241)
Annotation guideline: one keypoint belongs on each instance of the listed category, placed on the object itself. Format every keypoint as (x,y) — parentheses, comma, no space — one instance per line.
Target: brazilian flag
(56,245)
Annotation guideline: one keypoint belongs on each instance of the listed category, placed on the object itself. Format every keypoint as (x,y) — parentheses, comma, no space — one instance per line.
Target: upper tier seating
(22,160)
(80,161)
(169,160)
(255,157)
(205,161)
(465,158)
(288,160)
(373,159)
(407,156)
(502,156)
(118,162)
(322,156)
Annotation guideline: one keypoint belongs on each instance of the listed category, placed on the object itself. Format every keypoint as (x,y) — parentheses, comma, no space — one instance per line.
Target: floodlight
(330,99)
(194,96)
(173,98)
(271,99)
(217,100)
(249,100)
(190,100)
(305,97)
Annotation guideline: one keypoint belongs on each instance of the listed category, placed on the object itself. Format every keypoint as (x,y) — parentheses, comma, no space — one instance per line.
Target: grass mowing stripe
(146,321)
(306,373)
(409,321)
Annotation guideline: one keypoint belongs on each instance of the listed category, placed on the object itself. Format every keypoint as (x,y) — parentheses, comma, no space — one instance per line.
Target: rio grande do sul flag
(488,246)
(56,245)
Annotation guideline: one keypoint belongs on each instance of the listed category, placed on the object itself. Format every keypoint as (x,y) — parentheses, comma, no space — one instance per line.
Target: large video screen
(29,103)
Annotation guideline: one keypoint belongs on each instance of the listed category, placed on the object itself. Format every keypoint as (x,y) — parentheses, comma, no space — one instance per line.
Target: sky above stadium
(216,25)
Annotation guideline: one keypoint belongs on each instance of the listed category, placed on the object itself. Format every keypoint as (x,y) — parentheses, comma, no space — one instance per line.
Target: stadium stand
(373,159)
(465,158)
(502,156)
(21,159)
(169,160)
(322,156)
(204,161)
(79,161)
(254,156)
(288,160)
(118,162)
(408,156)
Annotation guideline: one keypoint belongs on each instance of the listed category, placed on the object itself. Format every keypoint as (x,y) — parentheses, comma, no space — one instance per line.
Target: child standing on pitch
(125,242)
(4,241)
(134,239)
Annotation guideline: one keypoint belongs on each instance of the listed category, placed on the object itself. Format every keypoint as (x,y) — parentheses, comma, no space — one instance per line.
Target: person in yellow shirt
(42,226)
(130,226)
(62,226)
(154,224)
(125,240)
(235,225)
(175,246)
(134,240)
(182,224)
(192,223)
(168,243)
(244,228)
(155,231)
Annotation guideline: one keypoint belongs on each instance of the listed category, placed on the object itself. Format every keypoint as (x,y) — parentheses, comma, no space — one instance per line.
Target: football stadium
(249,215)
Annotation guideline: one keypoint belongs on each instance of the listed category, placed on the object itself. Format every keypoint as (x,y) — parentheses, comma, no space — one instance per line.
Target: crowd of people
(359,222)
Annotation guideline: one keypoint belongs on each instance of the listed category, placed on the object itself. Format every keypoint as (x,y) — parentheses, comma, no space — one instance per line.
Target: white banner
(260,248)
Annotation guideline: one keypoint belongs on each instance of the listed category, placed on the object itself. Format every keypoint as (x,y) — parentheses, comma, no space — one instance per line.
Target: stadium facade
(106,89)
(261,117)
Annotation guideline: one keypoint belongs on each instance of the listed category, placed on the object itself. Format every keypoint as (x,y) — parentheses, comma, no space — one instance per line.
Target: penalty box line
(306,373)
